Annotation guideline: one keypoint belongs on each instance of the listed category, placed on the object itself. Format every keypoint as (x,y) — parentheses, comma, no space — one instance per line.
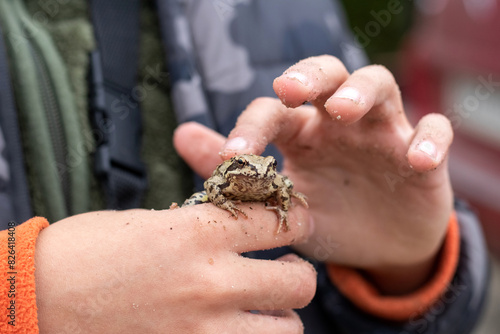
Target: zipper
(53,117)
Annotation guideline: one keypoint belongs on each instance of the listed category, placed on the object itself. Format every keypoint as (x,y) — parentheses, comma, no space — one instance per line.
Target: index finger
(257,232)
(266,120)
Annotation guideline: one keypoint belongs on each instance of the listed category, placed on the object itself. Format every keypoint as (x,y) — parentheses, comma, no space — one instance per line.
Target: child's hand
(378,188)
(173,271)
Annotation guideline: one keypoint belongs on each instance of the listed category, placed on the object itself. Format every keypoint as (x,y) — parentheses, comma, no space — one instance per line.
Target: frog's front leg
(280,204)
(282,216)
(215,195)
(301,197)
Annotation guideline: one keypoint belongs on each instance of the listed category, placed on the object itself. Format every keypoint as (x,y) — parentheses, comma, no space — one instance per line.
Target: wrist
(367,296)
(405,278)
(401,280)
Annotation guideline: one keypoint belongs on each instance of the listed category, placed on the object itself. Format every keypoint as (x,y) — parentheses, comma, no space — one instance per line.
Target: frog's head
(250,166)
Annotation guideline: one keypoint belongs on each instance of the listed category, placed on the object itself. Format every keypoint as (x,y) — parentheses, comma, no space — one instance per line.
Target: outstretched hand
(378,189)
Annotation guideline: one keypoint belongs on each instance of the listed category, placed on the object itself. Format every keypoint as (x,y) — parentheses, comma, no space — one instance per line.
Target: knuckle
(379,69)
(376,72)
(211,289)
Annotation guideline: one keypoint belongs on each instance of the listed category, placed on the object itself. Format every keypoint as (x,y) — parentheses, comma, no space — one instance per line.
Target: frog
(249,178)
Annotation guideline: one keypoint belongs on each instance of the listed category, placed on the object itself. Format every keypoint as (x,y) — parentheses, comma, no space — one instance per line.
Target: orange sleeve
(18,311)
(365,296)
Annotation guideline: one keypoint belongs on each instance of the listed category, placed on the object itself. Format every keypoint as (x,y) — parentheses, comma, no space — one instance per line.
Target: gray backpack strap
(187,93)
(224,54)
(15,203)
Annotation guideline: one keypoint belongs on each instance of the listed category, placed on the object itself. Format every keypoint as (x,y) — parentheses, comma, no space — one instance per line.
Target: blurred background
(445,55)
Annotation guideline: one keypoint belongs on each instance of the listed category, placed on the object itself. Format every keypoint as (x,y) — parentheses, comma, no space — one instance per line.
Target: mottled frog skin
(249,178)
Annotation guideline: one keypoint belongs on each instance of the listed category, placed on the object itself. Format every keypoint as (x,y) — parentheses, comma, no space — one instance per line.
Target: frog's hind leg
(219,201)
(196,198)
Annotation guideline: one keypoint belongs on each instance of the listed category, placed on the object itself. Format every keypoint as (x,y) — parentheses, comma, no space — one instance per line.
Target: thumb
(199,146)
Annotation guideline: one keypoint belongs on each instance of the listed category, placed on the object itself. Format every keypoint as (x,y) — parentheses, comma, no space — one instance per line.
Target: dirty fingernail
(428,148)
(348,93)
(297,76)
(236,144)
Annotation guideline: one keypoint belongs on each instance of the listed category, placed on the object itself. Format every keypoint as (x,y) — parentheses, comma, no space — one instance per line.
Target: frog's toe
(301,197)
(282,217)
(283,224)
(233,208)
(236,210)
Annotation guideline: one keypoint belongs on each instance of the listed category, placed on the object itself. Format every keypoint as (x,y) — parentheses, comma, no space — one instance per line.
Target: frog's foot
(282,217)
(233,208)
(301,197)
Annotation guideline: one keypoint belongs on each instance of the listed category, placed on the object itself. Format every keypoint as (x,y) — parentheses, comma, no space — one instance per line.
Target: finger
(431,142)
(199,146)
(263,121)
(256,232)
(311,80)
(260,230)
(279,322)
(291,283)
(370,89)
(285,321)
(270,285)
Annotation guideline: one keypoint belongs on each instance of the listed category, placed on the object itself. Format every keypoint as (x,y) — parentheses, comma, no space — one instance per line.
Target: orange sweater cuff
(365,296)
(17,277)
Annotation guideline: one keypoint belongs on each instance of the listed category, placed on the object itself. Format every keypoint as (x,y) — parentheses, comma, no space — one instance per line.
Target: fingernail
(348,93)
(297,76)
(236,144)
(428,148)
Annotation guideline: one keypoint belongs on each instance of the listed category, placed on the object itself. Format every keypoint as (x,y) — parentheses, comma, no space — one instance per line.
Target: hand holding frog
(377,187)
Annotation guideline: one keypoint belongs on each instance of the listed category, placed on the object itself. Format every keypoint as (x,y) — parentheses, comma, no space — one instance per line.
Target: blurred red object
(452,66)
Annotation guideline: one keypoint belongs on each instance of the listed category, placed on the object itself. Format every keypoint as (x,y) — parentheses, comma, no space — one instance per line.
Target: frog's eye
(241,161)
(275,164)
